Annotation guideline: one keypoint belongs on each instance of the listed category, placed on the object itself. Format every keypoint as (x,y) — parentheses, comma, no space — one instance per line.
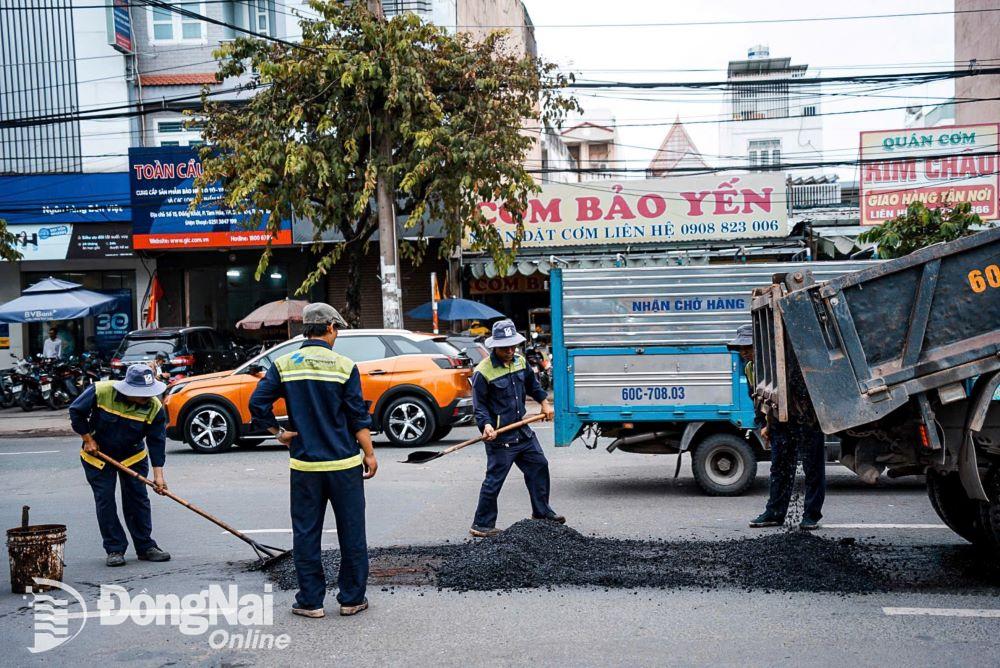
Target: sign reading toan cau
(692,208)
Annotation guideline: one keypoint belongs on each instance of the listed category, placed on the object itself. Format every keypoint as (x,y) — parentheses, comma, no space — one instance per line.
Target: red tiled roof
(178,79)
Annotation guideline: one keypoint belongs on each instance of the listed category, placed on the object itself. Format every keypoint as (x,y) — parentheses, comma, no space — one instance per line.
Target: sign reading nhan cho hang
(675,209)
(941,166)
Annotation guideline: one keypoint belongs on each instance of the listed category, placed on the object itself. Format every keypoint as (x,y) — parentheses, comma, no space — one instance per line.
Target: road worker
(500,384)
(328,431)
(124,420)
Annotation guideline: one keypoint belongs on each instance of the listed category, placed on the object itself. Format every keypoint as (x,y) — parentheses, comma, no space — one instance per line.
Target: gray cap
(744,337)
(322,314)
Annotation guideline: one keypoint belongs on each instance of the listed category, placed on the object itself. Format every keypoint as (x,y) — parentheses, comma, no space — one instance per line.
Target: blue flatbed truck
(639,355)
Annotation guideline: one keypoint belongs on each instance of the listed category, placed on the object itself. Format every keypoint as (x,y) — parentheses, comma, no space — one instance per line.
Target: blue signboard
(162,189)
(123,27)
(111,327)
(61,199)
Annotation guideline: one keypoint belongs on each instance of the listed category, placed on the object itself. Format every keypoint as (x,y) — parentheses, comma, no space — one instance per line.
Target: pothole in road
(533,554)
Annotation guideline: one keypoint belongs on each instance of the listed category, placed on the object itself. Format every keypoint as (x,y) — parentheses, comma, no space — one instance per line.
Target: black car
(189,351)
(471,346)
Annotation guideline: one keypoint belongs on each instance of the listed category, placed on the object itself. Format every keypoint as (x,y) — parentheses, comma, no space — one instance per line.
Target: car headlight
(174,389)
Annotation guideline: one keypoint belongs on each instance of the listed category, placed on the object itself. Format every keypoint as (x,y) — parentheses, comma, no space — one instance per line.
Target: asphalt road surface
(615,495)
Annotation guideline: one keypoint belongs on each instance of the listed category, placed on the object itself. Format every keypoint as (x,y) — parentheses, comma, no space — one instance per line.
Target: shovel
(424,456)
(266,554)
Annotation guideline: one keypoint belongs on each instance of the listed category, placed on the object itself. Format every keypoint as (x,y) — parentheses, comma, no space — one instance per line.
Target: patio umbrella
(53,299)
(455,309)
(275,314)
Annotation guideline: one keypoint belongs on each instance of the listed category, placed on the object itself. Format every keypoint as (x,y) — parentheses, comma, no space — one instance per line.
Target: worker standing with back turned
(499,387)
(328,428)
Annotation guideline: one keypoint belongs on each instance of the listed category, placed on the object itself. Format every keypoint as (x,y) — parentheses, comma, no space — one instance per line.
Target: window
(259,16)
(809,111)
(361,348)
(174,133)
(169,26)
(764,152)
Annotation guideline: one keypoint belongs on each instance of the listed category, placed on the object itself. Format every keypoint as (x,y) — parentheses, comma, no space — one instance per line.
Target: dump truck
(639,356)
(901,361)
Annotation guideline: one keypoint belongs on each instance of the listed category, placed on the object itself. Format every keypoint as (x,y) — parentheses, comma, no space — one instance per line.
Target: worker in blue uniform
(116,418)
(328,430)
(799,436)
(499,387)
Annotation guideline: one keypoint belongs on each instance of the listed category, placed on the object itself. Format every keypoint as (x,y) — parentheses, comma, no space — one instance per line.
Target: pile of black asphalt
(539,554)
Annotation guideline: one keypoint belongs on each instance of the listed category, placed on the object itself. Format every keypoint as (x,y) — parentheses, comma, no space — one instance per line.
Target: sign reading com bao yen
(693,208)
(941,166)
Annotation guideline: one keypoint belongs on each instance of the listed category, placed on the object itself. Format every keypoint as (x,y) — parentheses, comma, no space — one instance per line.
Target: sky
(647,53)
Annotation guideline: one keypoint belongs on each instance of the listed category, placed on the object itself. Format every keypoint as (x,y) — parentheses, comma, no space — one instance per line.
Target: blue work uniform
(322,390)
(498,395)
(120,429)
(799,437)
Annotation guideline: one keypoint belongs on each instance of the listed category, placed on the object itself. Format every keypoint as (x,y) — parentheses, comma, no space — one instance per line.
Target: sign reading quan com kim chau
(693,208)
(941,166)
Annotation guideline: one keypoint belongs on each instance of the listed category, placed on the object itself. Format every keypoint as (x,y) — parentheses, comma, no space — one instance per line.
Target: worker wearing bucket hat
(499,387)
(125,421)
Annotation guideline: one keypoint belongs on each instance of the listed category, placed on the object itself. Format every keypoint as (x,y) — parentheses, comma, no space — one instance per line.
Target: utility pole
(392,310)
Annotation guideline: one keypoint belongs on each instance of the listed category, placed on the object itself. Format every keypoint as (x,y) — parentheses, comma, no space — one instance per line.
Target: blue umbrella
(52,299)
(455,309)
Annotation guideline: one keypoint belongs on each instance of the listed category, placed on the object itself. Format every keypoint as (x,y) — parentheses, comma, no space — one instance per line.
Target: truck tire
(960,513)
(989,513)
(724,465)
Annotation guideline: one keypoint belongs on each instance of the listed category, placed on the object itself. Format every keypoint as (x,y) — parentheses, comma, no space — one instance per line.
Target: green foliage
(920,227)
(305,144)
(8,244)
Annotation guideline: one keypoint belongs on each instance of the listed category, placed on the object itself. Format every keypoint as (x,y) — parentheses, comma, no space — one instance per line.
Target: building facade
(976,45)
(768,117)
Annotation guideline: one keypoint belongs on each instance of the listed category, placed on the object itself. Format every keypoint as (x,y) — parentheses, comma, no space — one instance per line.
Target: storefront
(75,227)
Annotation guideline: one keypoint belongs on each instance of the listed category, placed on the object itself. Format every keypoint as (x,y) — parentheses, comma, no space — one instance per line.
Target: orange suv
(416,387)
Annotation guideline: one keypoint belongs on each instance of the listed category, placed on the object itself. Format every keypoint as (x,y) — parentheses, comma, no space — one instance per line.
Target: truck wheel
(724,465)
(958,511)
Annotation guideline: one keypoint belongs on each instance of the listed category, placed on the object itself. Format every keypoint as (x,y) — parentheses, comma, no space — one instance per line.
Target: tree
(306,144)
(8,244)
(920,227)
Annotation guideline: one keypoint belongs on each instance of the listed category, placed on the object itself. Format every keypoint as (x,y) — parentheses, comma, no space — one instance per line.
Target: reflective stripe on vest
(314,363)
(100,463)
(332,465)
(107,401)
(748,370)
(486,369)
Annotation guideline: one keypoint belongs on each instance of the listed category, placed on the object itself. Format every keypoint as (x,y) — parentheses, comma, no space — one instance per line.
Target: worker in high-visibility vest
(125,421)
(331,455)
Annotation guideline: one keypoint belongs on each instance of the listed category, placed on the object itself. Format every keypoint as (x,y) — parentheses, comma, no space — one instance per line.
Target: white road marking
(882,526)
(249,531)
(31,452)
(943,612)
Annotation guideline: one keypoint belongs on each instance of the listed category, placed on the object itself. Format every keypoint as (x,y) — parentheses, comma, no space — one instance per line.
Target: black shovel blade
(422,457)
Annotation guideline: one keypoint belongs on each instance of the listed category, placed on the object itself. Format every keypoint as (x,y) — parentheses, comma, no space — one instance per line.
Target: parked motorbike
(535,357)
(8,395)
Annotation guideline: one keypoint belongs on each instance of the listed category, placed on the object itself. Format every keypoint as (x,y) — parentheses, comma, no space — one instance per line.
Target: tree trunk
(355,252)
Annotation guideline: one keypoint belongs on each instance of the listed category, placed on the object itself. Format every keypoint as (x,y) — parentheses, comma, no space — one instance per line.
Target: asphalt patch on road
(537,554)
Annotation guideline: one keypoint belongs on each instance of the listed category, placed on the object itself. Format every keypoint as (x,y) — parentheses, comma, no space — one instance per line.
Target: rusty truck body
(901,360)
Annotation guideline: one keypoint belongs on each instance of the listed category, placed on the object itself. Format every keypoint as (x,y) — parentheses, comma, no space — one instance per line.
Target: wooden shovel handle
(510,427)
(167,493)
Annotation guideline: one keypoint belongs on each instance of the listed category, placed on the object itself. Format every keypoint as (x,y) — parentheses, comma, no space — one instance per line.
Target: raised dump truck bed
(868,341)
(901,361)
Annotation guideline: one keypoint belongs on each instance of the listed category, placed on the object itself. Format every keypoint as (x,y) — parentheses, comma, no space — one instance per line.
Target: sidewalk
(15,423)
